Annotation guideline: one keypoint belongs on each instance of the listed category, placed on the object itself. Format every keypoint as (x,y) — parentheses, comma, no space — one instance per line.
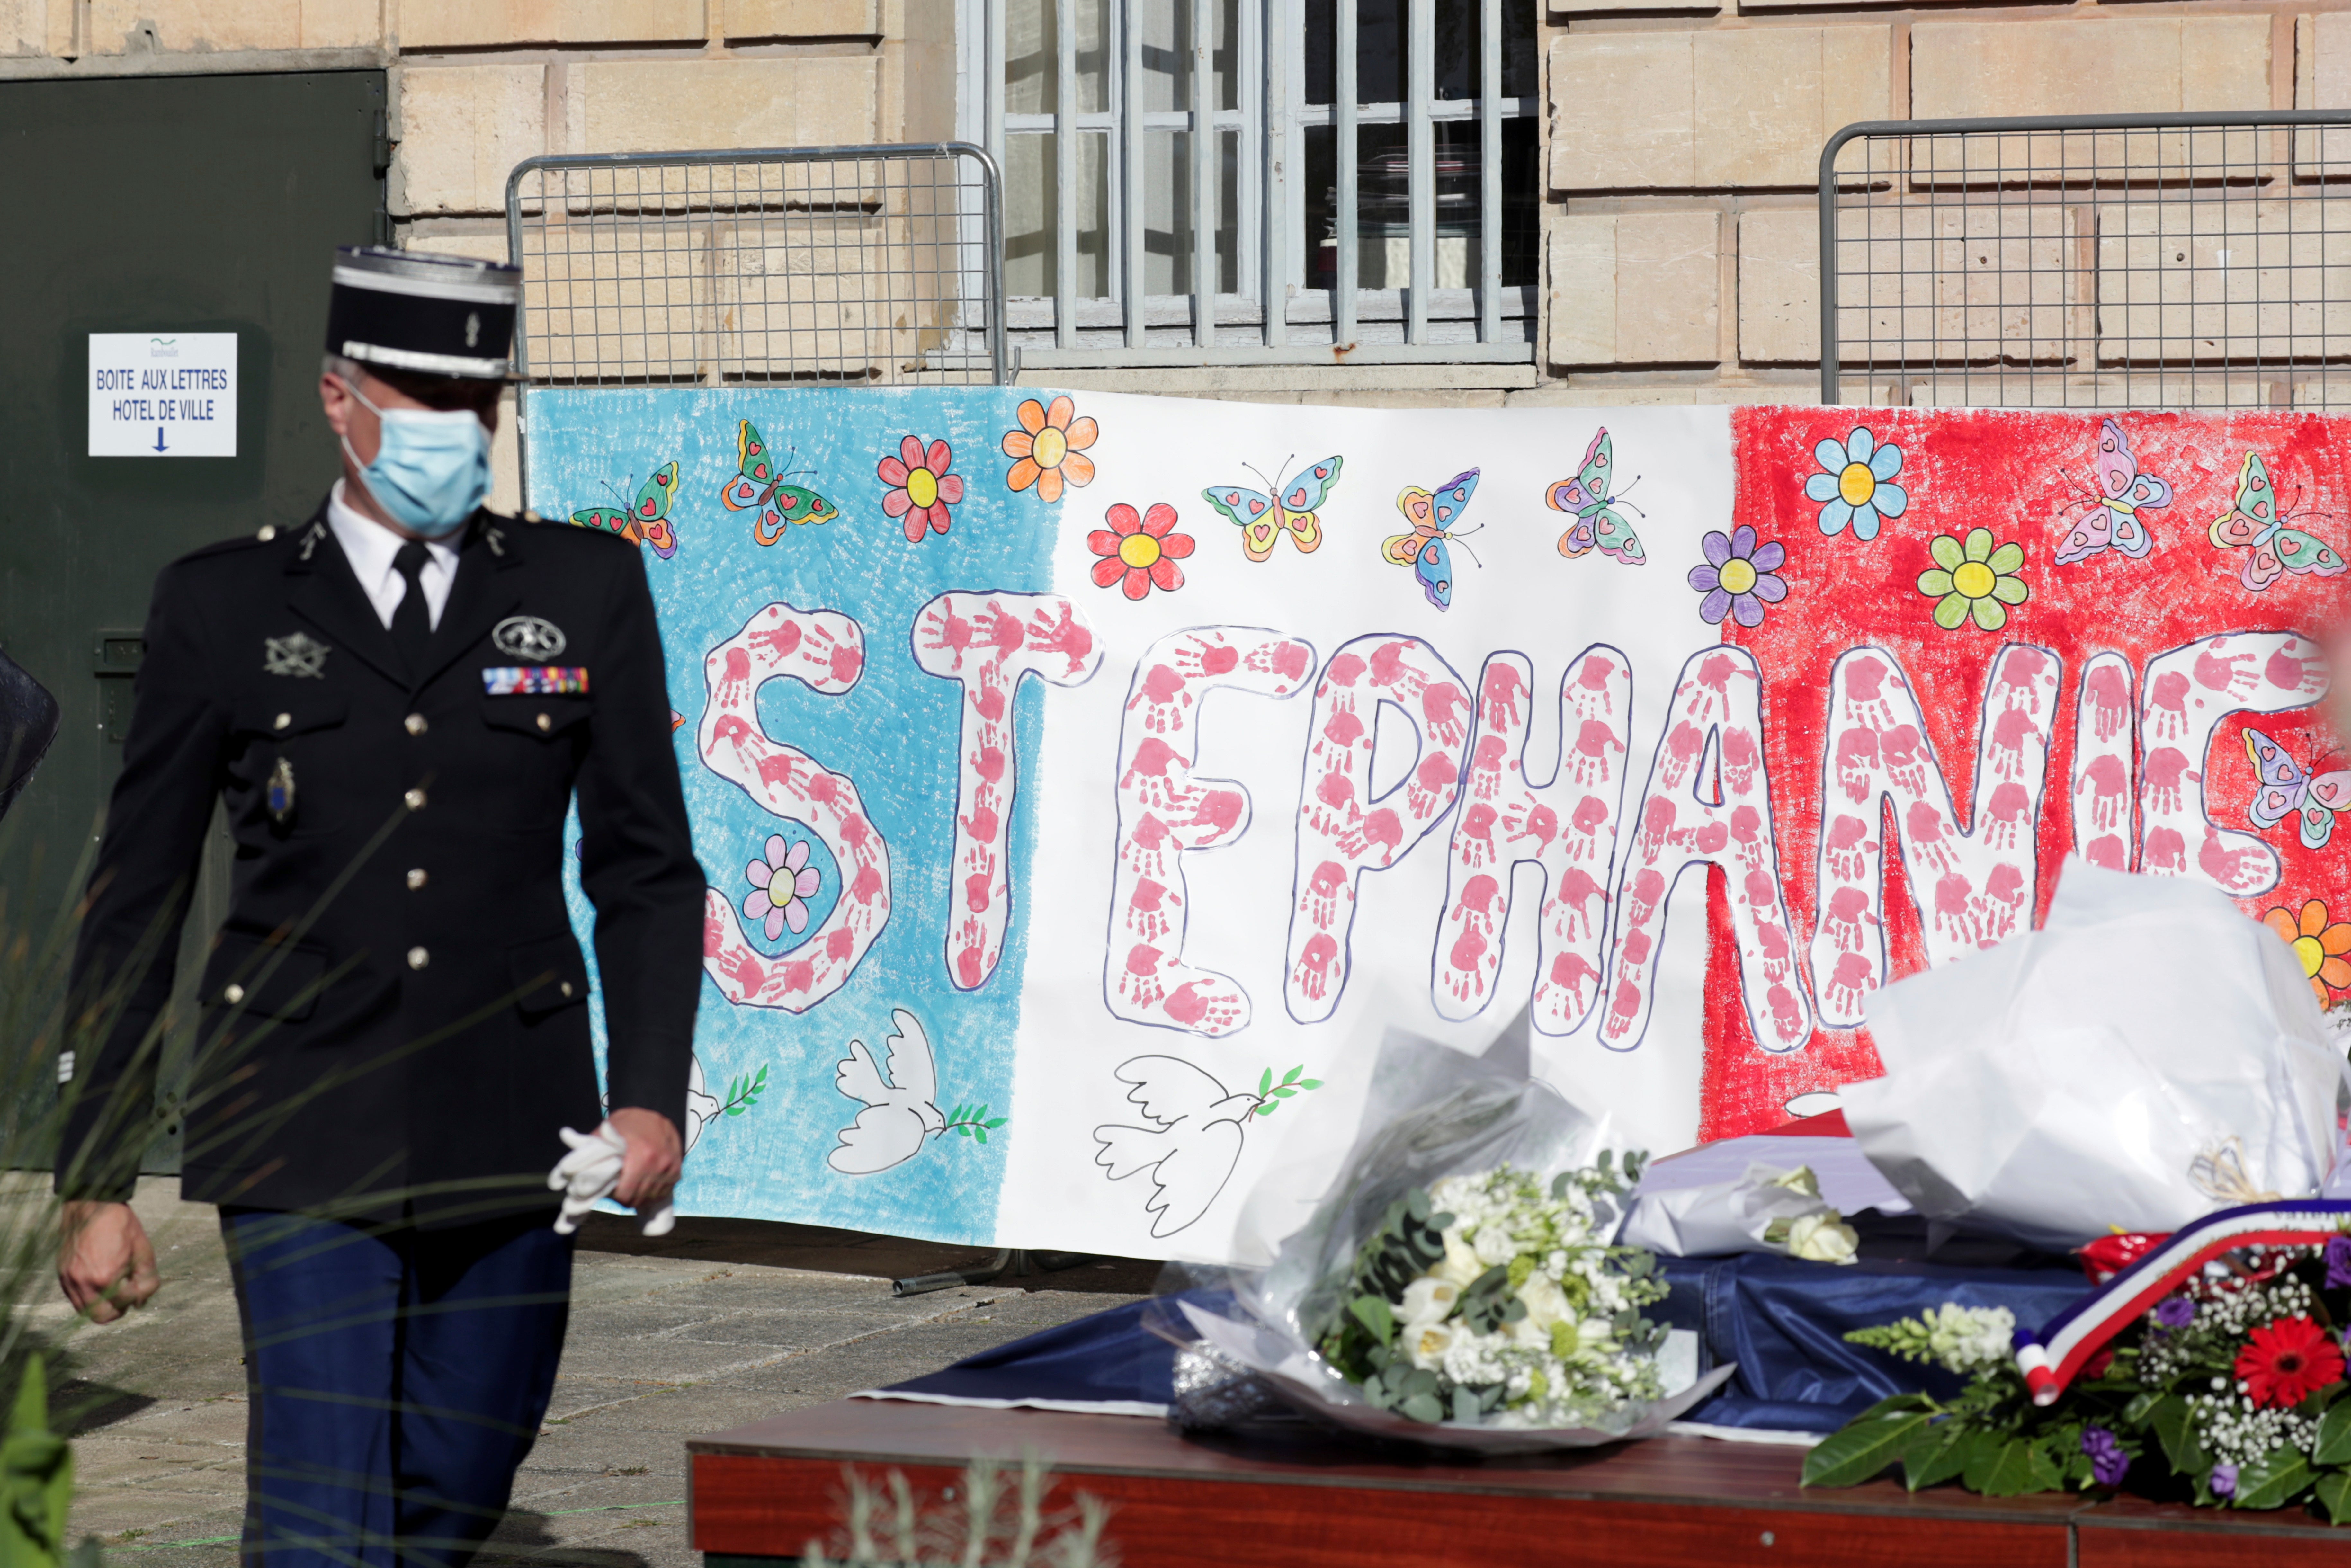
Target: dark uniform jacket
(394,1017)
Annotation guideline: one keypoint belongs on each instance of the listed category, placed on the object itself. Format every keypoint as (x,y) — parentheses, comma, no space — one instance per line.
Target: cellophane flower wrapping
(2149,1056)
(1457,1284)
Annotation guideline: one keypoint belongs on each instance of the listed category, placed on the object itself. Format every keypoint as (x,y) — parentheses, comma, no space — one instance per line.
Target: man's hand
(655,1155)
(106,1265)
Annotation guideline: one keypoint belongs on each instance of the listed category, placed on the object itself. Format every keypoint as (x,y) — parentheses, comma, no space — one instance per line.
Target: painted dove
(898,1114)
(1192,1145)
(701,1105)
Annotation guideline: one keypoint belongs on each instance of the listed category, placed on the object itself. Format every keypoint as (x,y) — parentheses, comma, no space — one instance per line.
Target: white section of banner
(1080,1068)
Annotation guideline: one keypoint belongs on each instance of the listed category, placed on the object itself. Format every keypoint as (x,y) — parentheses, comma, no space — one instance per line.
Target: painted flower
(921,489)
(2108,1462)
(2287,1360)
(1974,579)
(1049,447)
(1738,578)
(782,885)
(1855,484)
(2319,943)
(1139,551)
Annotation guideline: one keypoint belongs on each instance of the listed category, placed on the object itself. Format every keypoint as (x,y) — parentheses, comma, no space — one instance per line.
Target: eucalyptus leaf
(1422,1407)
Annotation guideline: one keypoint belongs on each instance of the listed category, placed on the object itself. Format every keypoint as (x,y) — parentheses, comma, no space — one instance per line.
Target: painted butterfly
(757,487)
(1431,516)
(1294,510)
(2254,523)
(2112,521)
(2288,790)
(1598,525)
(646,521)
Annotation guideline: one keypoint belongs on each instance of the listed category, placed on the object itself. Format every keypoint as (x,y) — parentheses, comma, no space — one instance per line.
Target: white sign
(152,394)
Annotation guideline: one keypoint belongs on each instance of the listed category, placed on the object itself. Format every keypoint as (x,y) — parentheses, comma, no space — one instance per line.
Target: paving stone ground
(719,1324)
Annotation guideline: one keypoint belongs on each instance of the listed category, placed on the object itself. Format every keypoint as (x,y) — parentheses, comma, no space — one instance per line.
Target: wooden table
(1291,1497)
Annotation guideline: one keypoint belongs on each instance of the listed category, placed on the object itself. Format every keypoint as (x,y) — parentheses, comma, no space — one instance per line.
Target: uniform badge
(296,655)
(528,637)
(279,793)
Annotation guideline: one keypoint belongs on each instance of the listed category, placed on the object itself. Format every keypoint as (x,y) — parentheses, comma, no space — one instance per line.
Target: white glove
(586,1175)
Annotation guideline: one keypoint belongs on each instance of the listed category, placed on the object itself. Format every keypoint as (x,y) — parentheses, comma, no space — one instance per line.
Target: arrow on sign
(158,438)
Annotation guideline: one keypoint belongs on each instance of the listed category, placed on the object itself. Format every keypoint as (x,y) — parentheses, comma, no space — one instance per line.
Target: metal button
(414,724)
(545,722)
(282,720)
(415,800)
(567,987)
(233,995)
(268,531)
(415,879)
(418,957)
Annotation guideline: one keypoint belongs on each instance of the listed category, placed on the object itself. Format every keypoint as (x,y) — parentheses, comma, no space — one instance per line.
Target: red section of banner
(2164,779)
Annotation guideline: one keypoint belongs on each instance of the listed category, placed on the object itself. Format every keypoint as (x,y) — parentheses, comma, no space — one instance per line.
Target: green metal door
(154,206)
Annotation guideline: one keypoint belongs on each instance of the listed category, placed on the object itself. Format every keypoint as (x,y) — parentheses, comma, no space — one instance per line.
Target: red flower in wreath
(2287,1361)
(1141,551)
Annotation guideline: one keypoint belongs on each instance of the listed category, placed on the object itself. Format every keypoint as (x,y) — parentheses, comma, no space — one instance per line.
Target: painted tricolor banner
(1085,781)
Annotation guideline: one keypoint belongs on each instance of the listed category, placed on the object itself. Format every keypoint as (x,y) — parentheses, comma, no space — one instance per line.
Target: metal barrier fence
(2089,261)
(796,264)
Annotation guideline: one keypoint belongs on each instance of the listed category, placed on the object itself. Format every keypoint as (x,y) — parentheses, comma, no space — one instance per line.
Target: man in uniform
(397,701)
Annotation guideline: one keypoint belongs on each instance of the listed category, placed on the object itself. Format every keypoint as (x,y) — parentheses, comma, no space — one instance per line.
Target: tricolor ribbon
(2052,1357)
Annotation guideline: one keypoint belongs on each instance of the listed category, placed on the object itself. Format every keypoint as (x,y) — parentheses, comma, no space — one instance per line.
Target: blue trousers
(397,1378)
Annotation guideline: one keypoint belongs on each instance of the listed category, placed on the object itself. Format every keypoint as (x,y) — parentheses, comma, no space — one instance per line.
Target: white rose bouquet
(1458,1282)
(1495,1297)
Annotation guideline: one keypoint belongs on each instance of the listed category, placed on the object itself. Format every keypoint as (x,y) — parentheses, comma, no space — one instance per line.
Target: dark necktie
(411,621)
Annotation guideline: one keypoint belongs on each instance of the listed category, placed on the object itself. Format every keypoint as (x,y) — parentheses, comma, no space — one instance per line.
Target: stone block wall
(1682,238)
(1681,140)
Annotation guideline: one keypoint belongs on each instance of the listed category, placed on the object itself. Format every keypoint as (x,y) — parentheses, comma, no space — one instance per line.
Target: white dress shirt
(369,546)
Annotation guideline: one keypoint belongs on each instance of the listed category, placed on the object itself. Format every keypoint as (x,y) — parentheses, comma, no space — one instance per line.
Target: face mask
(433,467)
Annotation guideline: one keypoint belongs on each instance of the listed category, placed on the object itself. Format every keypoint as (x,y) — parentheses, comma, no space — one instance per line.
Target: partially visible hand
(106,1265)
(656,1153)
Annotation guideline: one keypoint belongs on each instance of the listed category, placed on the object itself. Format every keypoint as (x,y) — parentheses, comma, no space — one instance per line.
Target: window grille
(1172,166)
(2090,261)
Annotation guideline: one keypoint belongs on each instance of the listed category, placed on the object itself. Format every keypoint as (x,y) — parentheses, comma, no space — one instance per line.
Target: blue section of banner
(760,1148)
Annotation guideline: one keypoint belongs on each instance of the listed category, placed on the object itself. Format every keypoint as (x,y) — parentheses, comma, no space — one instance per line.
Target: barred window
(1172,165)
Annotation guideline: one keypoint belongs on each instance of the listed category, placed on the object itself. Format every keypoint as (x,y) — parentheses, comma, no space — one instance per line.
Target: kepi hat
(430,315)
